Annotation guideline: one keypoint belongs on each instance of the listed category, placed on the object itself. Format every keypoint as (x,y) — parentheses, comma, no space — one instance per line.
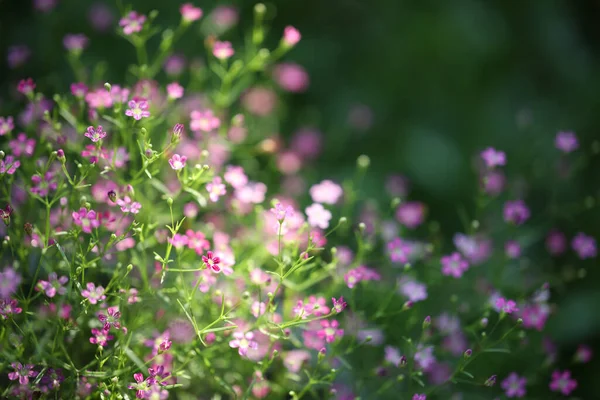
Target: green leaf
(467,374)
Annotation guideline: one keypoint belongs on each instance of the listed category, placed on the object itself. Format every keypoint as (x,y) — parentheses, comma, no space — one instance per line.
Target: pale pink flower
(222,50)
(177,162)
(318,216)
(291,36)
(216,189)
(326,192)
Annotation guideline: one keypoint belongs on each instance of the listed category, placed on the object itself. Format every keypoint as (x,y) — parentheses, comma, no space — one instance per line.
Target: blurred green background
(443,79)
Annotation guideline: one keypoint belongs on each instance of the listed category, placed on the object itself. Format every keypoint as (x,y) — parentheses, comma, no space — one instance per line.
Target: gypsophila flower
(204,121)
(22,145)
(338,305)
(100,337)
(493,158)
(282,212)
(189,13)
(87,220)
(79,90)
(9,165)
(211,261)
(514,385)
(566,142)
(291,36)
(26,86)
(177,162)
(42,185)
(75,42)
(418,396)
(216,189)
(583,354)
(318,216)
(222,50)
(174,91)
(95,134)
(9,307)
(516,212)
(411,214)
(361,273)
(584,246)
(137,109)
(54,285)
(6,125)
(142,387)
(454,265)
(132,23)
(22,373)
(129,206)
(399,250)
(5,214)
(507,306)
(329,331)
(326,192)
(235,176)
(93,294)
(562,382)
(111,318)
(243,342)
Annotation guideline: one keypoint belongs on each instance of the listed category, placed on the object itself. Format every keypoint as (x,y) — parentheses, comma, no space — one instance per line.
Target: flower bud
(468,353)
(60,155)
(28,228)
(107,86)
(426,322)
(491,381)
(403,361)
(363,161)
(112,196)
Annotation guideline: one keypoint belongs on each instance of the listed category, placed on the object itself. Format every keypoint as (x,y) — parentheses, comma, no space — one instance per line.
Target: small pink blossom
(326,192)
(291,36)
(129,206)
(235,176)
(514,385)
(93,294)
(8,165)
(562,382)
(132,23)
(137,109)
(22,373)
(318,216)
(189,13)
(177,162)
(507,306)
(566,142)
(75,42)
(174,91)
(26,86)
(584,246)
(329,331)
(411,214)
(54,285)
(87,220)
(204,121)
(9,307)
(22,145)
(95,134)
(100,337)
(338,305)
(222,50)
(454,265)
(493,158)
(243,342)
(6,125)
(211,261)
(216,189)
(111,318)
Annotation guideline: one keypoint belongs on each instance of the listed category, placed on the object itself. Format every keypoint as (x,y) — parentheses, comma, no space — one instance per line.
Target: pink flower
(22,373)
(216,189)
(204,121)
(222,50)
(512,248)
(43,185)
(399,250)
(418,396)
(9,307)
(454,265)
(177,162)
(318,216)
(282,212)
(516,212)
(6,125)
(566,142)
(338,305)
(132,23)
(17,56)
(141,386)
(235,176)
(111,318)
(54,285)
(101,337)
(87,220)
(75,42)
(583,354)
(95,134)
(26,86)
(507,306)
(93,294)
(556,243)
(493,158)
(22,145)
(9,165)
(411,214)
(211,261)
(514,385)
(129,206)
(413,290)
(243,342)
(562,382)
(584,246)
(137,109)
(291,36)
(327,192)
(329,331)
(174,91)
(5,214)
(196,241)
(291,77)
(361,273)
(189,13)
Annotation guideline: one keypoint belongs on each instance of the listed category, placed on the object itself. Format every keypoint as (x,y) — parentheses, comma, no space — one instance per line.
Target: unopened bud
(408,305)
(143,131)
(107,86)
(170,201)
(112,196)
(403,361)
(343,220)
(483,322)
(426,322)
(468,353)
(322,354)
(60,155)
(28,228)
(363,161)
(491,381)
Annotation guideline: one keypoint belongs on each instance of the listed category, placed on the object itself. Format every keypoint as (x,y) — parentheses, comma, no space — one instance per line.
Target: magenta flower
(158,374)
(399,250)
(216,189)
(54,285)
(177,162)
(411,214)
(111,318)
(87,220)
(9,165)
(174,91)
(338,305)
(95,134)
(189,13)
(361,273)
(584,246)
(512,248)
(222,50)
(291,36)
(211,261)
(562,382)
(318,216)
(142,387)
(22,145)
(75,42)
(243,342)
(316,306)
(43,185)
(26,86)
(326,192)
(22,373)
(9,307)
(516,212)
(9,280)
(6,125)
(514,385)
(101,337)
(204,121)
(535,316)
(566,142)
(93,294)
(5,214)
(507,306)
(329,331)
(178,130)
(454,265)
(291,77)
(129,206)
(137,109)
(583,354)
(132,23)
(418,396)
(79,90)
(556,243)
(493,158)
